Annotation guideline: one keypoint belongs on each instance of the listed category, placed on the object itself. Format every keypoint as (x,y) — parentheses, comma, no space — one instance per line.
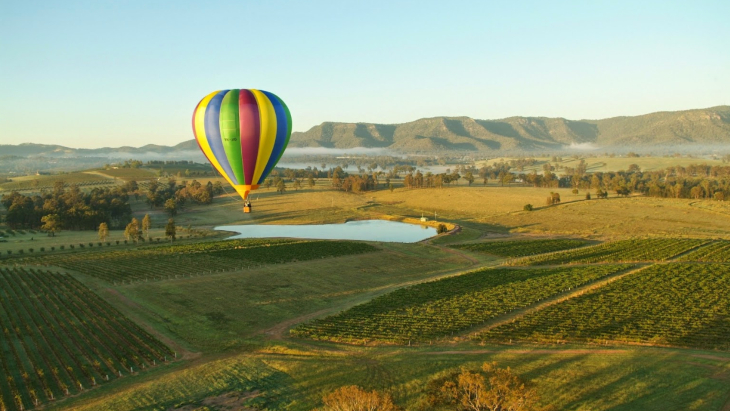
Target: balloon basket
(247,209)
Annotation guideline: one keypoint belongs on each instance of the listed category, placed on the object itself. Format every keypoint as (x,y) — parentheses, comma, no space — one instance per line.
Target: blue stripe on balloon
(281,131)
(213,133)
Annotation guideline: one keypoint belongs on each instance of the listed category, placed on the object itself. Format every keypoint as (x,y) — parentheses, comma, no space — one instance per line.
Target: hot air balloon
(243,133)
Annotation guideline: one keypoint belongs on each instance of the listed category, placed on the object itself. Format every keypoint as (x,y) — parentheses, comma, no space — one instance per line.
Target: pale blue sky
(109,73)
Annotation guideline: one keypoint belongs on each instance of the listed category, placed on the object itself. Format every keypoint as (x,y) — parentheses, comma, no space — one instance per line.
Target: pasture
(616,163)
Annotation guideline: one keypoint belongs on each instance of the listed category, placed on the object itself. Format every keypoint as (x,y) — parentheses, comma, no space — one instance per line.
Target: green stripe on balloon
(231,133)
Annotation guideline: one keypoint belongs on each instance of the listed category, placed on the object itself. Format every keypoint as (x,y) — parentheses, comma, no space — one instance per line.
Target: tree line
(70,208)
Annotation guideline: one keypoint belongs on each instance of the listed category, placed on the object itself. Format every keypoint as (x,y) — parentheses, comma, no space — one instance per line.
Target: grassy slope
(225,311)
(569,378)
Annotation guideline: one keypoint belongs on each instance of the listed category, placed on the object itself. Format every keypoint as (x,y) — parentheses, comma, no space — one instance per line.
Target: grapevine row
(684,305)
(522,248)
(436,309)
(655,249)
(59,338)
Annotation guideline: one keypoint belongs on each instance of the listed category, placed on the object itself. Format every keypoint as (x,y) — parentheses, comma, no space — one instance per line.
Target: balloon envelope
(243,133)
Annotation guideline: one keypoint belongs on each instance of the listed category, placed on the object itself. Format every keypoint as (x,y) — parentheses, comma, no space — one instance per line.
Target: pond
(365,230)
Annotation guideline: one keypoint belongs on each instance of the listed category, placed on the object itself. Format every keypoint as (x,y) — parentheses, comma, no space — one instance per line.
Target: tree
(281,187)
(103,231)
(51,223)
(297,184)
(146,224)
(171,207)
(491,388)
(170,229)
(311,182)
(354,398)
(469,177)
(131,232)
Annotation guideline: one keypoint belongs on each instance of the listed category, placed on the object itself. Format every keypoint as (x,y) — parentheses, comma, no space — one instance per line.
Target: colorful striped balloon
(243,133)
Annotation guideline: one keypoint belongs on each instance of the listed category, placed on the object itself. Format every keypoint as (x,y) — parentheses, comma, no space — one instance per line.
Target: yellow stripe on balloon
(267,116)
(203,139)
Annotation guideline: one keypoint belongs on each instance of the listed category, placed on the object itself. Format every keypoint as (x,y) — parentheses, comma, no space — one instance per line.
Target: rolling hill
(688,129)
(708,127)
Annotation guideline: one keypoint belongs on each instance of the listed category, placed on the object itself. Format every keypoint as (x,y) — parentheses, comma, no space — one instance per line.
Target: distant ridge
(709,127)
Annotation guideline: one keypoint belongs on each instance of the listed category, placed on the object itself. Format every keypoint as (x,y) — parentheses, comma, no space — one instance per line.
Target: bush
(441,228)
(117,242)
(81,245)
(72,246)
(21,252)
(62,247)
(43,249)
(108,243)
(10,252)
(575,191)
(125,241)
(30,250)
(527,207)
(588,196)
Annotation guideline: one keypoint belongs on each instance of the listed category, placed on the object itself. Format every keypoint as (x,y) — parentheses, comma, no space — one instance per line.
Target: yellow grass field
(616,163)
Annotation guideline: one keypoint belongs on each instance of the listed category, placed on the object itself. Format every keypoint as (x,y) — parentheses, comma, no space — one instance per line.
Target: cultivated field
(685,305)
(227,308)
(655,249)
(59,338)
(428,311)
(522,248)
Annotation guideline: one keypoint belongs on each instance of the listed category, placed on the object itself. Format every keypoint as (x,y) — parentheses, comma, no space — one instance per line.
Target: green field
(656,249)
(60,338)
(715,252)
(171,262)
(522,248)
(227,307)
(685,305)
(441,308)
(568,378)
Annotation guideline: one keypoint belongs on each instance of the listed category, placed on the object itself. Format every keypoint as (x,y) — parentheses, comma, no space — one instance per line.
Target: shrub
(21,252)
(117,242)
(30,250)
(62,247)
(527,207)
(441,228)
(588,196)
(575,191)
(43,249)
(81,245)
(10,252)
(72,246)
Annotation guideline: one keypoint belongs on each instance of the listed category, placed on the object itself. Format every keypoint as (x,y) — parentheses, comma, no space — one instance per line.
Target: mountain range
(708,127)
